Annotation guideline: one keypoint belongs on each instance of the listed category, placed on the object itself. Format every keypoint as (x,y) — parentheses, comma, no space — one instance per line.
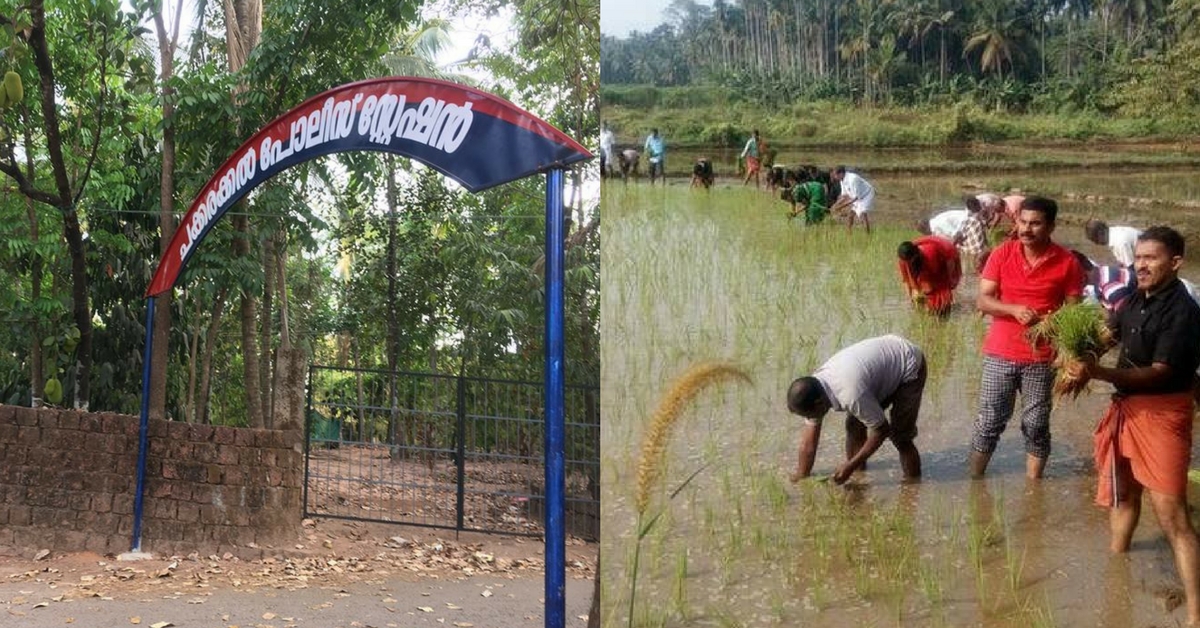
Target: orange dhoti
(1154,432)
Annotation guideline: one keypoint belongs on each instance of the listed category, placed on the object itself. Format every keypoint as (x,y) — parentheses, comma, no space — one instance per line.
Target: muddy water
(966,158)
(691,276)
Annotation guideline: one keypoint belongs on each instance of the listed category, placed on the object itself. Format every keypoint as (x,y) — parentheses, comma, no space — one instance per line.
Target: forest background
(356,260)
(908,72)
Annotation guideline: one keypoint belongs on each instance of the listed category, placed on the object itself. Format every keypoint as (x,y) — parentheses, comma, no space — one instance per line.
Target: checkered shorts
(1002,379)
(974,236)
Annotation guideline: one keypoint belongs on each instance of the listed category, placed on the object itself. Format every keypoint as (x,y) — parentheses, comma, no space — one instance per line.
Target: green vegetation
(357,259)
(718,117)
(919,71)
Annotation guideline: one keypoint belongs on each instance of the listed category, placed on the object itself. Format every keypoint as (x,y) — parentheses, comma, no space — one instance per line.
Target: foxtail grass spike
(670,407)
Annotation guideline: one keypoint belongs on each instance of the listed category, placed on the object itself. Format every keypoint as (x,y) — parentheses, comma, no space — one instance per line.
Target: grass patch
(684,114)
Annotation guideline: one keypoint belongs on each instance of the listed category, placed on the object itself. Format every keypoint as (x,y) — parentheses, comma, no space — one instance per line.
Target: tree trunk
(249,318)
(243,26)
(291,362)
(393,327)
(189,404)
(210,344)
(942,63)
(267,335)
(65,202)
(356,350)
(37,375)
(166,213)
(81,309)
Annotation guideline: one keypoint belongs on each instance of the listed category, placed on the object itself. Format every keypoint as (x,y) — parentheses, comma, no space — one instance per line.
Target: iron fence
(443,451)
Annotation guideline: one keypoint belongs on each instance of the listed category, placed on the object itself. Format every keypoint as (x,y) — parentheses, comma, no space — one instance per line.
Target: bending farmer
(862,380)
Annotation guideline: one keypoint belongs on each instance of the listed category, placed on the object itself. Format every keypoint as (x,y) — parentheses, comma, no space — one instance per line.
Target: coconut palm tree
(415,52)
(996,36)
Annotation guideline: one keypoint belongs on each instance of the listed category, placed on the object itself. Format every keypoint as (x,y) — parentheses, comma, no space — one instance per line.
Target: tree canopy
(1131,56)
(354,259)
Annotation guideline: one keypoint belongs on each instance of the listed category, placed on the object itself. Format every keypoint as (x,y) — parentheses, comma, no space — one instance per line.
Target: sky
(620,17)
(462,33)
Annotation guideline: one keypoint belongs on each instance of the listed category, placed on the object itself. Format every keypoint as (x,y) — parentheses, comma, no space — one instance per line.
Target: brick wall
(67,483)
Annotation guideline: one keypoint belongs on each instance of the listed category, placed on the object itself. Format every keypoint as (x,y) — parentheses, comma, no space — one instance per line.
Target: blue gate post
(143,430)
(556,544)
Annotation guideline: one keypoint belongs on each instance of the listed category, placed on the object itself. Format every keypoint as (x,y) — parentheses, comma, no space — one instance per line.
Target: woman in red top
(930,269)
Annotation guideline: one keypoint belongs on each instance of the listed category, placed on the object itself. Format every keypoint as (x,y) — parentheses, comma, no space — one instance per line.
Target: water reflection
(1118,601)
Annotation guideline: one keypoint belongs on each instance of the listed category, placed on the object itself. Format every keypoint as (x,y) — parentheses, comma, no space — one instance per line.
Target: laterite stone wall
(67,483)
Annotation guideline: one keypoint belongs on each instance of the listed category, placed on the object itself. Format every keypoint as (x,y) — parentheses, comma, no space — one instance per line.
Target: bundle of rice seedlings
(1076,331)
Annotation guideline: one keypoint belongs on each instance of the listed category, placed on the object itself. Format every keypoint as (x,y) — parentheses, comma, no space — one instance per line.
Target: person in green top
(809,194)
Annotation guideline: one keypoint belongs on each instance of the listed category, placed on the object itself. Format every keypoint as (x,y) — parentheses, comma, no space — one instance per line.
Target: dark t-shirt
(1164,327)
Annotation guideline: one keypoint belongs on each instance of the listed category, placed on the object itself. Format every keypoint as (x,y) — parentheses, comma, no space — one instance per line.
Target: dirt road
(341,574)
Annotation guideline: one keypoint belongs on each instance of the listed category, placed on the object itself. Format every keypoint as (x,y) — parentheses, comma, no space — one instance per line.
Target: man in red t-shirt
(1023,281)
(930,269)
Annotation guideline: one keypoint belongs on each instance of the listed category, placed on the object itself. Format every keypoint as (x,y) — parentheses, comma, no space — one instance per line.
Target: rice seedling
(929,582)
(650,618)
(727,620)
(679,594)
(776,494)
(778,606)
(1013,562)
(654,444)
(1043,617)
(1077,332)
(977,535)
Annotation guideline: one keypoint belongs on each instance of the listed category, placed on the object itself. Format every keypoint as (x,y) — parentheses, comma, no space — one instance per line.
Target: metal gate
(442,451)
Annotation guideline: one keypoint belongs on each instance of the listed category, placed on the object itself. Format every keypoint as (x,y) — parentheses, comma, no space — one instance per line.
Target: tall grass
(654,444)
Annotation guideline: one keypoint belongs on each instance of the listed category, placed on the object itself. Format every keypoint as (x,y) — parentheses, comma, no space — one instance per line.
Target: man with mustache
(1144,442)
(1023,281)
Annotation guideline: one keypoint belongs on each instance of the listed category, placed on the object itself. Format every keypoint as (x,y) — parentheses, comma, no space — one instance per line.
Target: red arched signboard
(473,137)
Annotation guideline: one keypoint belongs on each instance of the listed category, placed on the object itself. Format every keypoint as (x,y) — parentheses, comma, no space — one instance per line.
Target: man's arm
(866,409)
(842,202)
(875,438)
(1141,378)
(810,434)
(989,303)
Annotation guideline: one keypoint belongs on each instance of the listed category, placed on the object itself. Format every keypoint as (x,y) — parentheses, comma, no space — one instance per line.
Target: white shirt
(751,148)
(1121,241)
(948,223)
(607,140)
(856,187)
(858,378)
